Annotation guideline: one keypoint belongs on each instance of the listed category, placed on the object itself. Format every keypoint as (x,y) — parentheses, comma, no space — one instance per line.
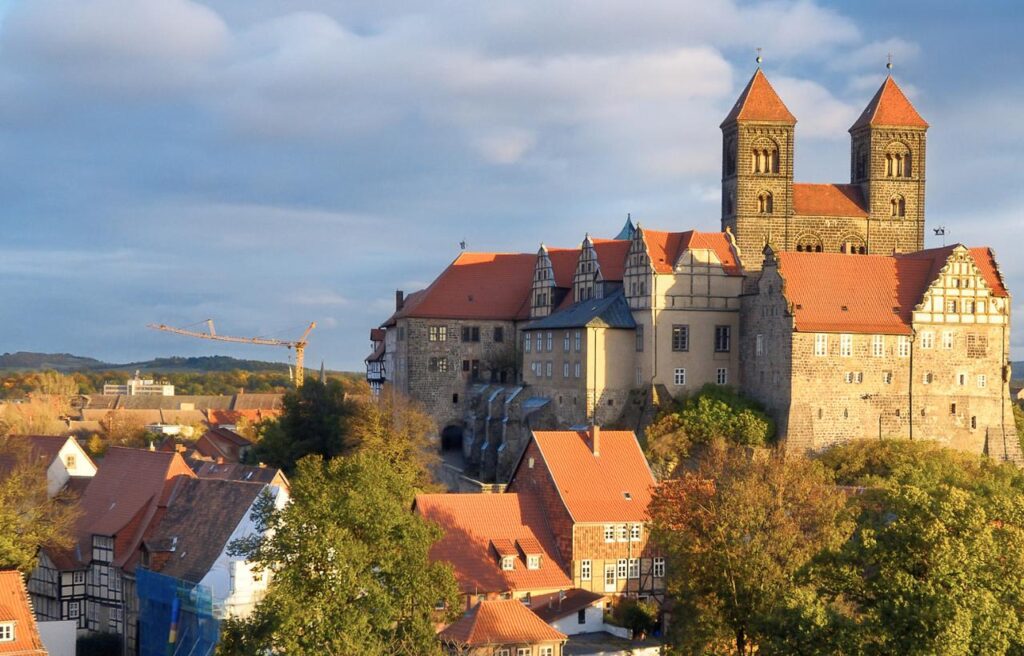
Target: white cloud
(818,112)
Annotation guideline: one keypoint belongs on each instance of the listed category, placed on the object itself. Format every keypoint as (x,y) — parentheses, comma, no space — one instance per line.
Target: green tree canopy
(351,573)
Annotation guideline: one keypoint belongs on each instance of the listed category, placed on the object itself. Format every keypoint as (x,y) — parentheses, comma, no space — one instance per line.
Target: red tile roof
(759,102)
(613,486)
(872,294)
(16,607)
(500,622)
(890,107)
(664,248)
(376,335)
(611,257)
(231,417)
(563,263)
(474,524)
(828,200)
(555,606)
(478,286)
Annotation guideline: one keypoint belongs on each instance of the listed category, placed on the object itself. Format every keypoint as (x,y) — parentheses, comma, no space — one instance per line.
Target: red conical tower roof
(759,102)
(890,107)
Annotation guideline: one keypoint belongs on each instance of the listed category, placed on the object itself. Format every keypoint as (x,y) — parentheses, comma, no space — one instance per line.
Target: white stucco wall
(58,472)
(570,625)
(58,637)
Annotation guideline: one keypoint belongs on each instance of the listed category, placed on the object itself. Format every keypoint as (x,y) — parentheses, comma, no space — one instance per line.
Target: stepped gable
(664,248)
(867,294)
(759,102)
(499,622)
(478,286)
(828,200)
(889,107)
(16,607)
(475,525)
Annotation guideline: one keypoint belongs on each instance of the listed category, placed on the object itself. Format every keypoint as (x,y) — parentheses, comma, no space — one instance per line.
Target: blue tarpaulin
(167,603)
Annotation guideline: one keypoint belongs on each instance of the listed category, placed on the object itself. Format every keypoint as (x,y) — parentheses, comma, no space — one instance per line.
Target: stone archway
(451,437)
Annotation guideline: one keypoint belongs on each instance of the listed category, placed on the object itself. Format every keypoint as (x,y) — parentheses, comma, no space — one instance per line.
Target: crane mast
(298,345)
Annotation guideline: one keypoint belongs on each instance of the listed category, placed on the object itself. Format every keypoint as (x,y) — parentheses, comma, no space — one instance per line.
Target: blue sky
(272,163)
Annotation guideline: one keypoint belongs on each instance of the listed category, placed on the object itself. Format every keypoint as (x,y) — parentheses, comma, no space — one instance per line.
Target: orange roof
(759,102)
(664,248)
(478,286)
(476,524)
(828,200)
(16,607)
(563,263)
(890,107)
(611,487)
(376,335)
(500,622)
(611,257)
(873,294)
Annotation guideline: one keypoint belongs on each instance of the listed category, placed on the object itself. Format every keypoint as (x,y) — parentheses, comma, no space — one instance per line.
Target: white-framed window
(621,568)
(609,533)
(821,344)
(635,532)
(759,345)
(927,339)
(722,376)
(74,610)
(679,377)
(437,333)
(848,377)
(634,568)
(102,548)
(7,632)
(982,380)
(546,651)
(947,340)
(951,306)
(503,652)
(576,370)
(845,346)
(578,340)
(78,578)
(524,651)
(609,577)
(547,367)
(659,568)
(565,370)
(565,342)
(533,562)
(551,341)
(526,342)
(585,570)
(508,563)
(928,378)
(903,346)
(623,533)
(878,346)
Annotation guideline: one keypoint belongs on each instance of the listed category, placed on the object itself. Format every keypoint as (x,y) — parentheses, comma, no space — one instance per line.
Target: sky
(267,164)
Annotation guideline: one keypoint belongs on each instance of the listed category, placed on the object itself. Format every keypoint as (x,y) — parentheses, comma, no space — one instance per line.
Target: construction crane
(299,345)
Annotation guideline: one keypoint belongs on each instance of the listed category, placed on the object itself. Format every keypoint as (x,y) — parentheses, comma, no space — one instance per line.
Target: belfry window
(898,206)
(853,246)
(898,161)
(764,157)
(764,202)
(808,244)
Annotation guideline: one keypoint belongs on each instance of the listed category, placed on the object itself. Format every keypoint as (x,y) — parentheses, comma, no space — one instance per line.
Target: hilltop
(67,362)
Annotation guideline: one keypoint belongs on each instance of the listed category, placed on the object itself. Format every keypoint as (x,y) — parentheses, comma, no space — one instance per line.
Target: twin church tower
(881,210)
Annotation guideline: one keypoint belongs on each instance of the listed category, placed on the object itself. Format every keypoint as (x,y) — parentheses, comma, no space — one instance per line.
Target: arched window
(898,206)
(808,244)
(764,158)
(853,245)
(764,202)
(897,160)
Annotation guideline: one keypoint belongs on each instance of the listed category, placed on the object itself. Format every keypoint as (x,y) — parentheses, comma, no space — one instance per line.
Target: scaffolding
(175,617)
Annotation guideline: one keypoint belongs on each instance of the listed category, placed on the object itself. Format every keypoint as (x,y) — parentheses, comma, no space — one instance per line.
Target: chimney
(399,300)
(595,439)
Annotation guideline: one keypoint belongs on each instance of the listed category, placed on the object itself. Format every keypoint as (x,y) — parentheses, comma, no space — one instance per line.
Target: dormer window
(533,562)
(508,563)
(7,632)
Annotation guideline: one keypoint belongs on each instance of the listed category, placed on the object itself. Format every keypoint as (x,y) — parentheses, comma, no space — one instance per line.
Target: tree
(351,572)
(736,530)
(38,415)
(401,430)
(29,519)
(54,383)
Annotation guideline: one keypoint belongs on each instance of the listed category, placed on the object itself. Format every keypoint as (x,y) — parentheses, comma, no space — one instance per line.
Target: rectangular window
(508,563)
(609,533)
(524,651)
(639,376)
(585,572)
(578,340)
(759,345)
(526,342)
(723,339)
(621,568)
(565,369)
(634,568)
(821,344)
(471,333)
(848,377)
(465,365)
(950,306)
(623,533)
(679,377)
(659,568)
(887,377)
(609,577)
(878,346)
(551,341)
(432,365)
(982,380)
(576,370)
(928,378)
(961,379)
(533,562)
(549,650)
(634,532)
(581,617)
(722,376)
(499,334)
(858,377)
(74,610)
(845,346)
(680,338)
(903,346)
(927,339)
(565,342)
(7,632)
(102,548)
(437,333)
(547,367)
(639,338)
(947,340)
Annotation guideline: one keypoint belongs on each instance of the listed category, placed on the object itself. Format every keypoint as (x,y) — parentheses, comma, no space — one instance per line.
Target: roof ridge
(889,106)
(759,102)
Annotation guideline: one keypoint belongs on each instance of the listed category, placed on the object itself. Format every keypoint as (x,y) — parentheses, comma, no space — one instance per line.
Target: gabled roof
(478,286)
(889,107)
(16,607)
(608,312)
(499,622)
(870,294)
(555,606)
(665,248)
(231,471)
(563,264)
(614,486)
(222,443)
(199,520)
(759,102)
(474,524)
(611,257)
(828,200)
(42,449)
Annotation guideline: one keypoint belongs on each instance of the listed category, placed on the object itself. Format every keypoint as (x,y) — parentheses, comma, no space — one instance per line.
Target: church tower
(757,169)
(887,161)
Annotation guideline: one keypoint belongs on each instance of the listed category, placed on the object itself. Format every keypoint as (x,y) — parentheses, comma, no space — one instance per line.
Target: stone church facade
(819,300)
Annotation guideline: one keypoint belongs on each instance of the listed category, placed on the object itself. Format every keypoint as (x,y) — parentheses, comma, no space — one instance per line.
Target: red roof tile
(563,262)
(16,607)
(985,259)
(611,257)
(474,524)
(828,200)
(664,248)
(890,107)
(611,487)
(500,622)
(478,286)
(759,102)
(556,605)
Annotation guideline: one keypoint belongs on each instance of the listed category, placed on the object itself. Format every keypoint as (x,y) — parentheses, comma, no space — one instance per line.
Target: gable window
(723,339)
(69,461)
(639,338)
(7,632)
(680,338)
(845,346)
(821,344)
(585,570)
(499,334)
(722,376)
(659,568)
(102,548)
(679,377)
(927,339)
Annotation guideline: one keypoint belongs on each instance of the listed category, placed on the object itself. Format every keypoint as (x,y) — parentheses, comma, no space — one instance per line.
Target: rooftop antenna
(940,232)
(758,58)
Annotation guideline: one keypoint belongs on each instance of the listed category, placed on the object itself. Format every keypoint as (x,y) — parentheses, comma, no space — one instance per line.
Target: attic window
(7,632)
(627,496)
(533,562)
(508,563)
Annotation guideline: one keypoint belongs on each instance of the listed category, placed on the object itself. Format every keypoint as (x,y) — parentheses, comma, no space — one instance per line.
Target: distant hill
(68,362)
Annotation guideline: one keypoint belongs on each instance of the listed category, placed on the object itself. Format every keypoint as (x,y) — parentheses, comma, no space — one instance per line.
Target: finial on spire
(758,58)
(888,64)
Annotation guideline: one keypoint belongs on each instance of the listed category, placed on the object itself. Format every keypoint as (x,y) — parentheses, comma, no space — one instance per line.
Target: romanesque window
(898,161)
(898,206)
(764,157)
(764,202)
(853,246)
(808,244)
